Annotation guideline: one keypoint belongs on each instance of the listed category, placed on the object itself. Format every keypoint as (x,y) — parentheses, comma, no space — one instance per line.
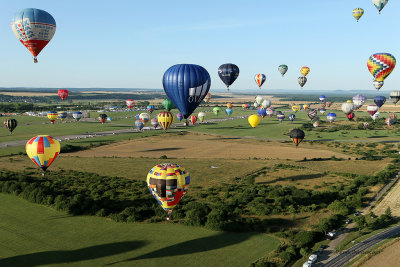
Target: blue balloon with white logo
(186,85)
(292,117)
(379,100)
(228,111)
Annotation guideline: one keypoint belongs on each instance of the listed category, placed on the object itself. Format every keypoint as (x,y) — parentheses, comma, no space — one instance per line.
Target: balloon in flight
(304,71)
(186,85)
(144,117)
(201,116)
(62,115)
(34,28)
(103,118)
(228,73)
(280,117)
(77,115)
(262,112)
(10,124)
(130,103)
(372,109)
(165,119)
(154,123)
(229,111)
(254,120)
(52,116)
(331,117)
(347,108)
(395,96)
(292,117)
(193,119)
(302,80)
(168,183)
(179,116)
(63,94)
(150,108)
(283,69)
(297,136)
(260,79)
(357,13)
(43,150)
(379,100)
(358,101)
(217,110)
(167,104)
(380,65)
(139,125)
(380,4)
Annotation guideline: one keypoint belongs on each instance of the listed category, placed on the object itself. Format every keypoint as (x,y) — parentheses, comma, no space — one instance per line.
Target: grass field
(392,200)
(33,235)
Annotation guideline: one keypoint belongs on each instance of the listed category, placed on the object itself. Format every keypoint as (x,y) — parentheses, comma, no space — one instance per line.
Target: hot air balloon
(331,117)
(328,104)
(62,115)
(168,183)
(322,111)
(297,136)
(167,104)
(312,113)
(109,118)
(322,98)
(316,124)
(258,100)
(302,80)
(63,94)
(144,117)
(358,101)
(357,13)
(395,96)
(379,100)
(137,116)
(377,84)
(350,116)
(130,103)
(305,106)
(139,125)
(376,115)
(283,69)
(52,116)
(304,71)
(150,108)
(229,105)
(34,28)
(228,111)
(260,79)
(347,108)
(207,98)
(366,124)
(165,119)
(43,150)
(228,73)
(372,109)
(154,122)
(292,117)
(254,120)
(295,108)
(270,111)
(262,112)
(380,65)
(77,115)
(380,4)
(393,116)
(179,116)
(193,119)
(280,117)
(10,124)
(217,110)
(186,85)
(201,116)
(103,118)
(389,121)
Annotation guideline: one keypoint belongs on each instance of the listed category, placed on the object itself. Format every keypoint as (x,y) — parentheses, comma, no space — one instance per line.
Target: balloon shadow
(195,246)
(68,256)
(161,149)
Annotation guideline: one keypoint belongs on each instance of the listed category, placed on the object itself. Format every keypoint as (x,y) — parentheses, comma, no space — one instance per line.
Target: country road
(345,256)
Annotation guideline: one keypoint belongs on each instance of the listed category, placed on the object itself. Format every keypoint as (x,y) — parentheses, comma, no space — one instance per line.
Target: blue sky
(130,44)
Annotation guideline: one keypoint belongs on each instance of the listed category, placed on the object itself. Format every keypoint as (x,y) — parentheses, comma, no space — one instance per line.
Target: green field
(33,235)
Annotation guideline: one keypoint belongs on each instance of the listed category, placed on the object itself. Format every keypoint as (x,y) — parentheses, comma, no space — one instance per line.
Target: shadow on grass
(378,136)
(161,149)
(68,256)
(295,178)
(195,246)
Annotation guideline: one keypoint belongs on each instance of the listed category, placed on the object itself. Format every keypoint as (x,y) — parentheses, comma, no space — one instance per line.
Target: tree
(324,225)
(361,222)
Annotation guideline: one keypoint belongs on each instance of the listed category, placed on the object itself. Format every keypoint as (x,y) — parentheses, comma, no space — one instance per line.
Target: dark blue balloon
(186,85)
(228,73)
(262,112)
(379,100)
(292,117)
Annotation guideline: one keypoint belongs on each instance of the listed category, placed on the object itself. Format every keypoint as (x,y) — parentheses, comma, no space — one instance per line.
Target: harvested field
(27,93)
(388,257)
(204,146)
(392,200)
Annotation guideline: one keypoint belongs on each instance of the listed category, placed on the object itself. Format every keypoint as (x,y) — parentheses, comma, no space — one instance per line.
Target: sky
(130,44)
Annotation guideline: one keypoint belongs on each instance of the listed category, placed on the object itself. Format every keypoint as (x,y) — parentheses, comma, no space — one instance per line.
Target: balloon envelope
(297,136)
(77,115)
(260,79)
(43,150)
(357,13)
(379,100)
(283,69)
(130,103)
(228,73)
(10,124)
(165,119)
(63,94)
(186,85)
(167,104)
(302,80)
(305,71)
(228,111)
(254,120)
(380,65)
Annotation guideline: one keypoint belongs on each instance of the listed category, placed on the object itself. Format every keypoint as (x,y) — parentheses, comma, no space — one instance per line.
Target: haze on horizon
(130,44)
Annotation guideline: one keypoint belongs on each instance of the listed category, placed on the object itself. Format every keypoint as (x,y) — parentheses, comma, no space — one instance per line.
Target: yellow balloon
(165,119)
(43,150)
(52,116)
(349,101)
(357,13)
(254,120)
(295,108)
(304,71)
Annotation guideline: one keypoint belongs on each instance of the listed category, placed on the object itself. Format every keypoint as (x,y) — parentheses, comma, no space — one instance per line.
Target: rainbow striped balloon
(381,65)
(43,150)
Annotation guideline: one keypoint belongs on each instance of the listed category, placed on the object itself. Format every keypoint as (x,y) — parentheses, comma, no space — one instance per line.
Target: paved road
(345,256)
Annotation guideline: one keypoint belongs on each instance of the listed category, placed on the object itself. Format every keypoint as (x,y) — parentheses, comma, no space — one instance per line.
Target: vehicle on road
(349,221)
(331,235)
(357,213)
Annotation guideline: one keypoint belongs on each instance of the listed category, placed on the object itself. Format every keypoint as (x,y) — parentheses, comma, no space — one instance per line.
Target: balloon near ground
(292,117)
(179,116)
(103,118)
(331,117)
(150,108)
(43,150)
(372,109)
(130,103)
(10,124)
(168,183)
(254,120)
(207,98)
(217,110)
(359,100)
(27,25)
(63,94)
(260,79)
(144,117)
(262,112)
(154,123)
(167,104)
(297,136)
(229,111)
(52,116)
(193,119)
(77,115)
(228,73)
(165,119)
(62,115)
(139,125)
(186,85)
(201,116)
(358,13)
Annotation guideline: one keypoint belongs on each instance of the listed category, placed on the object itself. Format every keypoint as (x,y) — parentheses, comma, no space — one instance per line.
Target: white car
(306,264)
(313,258)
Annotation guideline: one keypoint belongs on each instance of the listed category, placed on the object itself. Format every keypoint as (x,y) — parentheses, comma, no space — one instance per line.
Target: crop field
(58,238)
(392,200)
(388,257)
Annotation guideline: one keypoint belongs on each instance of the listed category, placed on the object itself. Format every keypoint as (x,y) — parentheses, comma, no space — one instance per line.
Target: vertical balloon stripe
(40,146)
